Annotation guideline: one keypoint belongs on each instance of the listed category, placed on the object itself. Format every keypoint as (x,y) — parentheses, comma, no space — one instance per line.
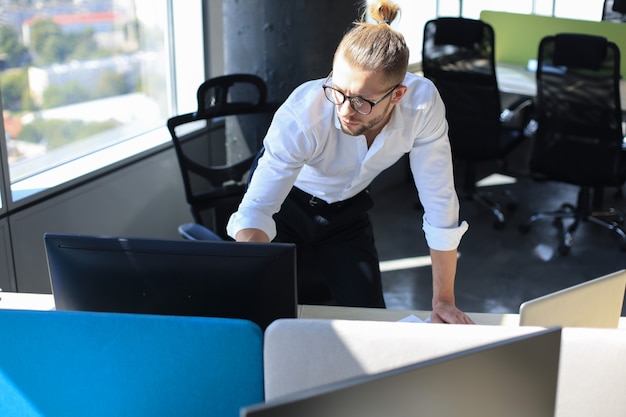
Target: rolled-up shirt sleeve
(444,239)
(251,218)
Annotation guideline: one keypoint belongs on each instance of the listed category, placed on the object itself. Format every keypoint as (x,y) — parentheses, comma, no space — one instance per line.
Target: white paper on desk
(412,318)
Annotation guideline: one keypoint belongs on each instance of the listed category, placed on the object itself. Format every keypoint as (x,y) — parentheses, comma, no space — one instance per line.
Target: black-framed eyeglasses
(358,103)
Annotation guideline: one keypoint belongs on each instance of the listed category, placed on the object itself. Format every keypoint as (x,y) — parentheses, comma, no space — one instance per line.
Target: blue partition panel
(60,363)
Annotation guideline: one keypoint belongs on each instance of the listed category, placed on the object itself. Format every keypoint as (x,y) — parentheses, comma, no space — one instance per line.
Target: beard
(358,129)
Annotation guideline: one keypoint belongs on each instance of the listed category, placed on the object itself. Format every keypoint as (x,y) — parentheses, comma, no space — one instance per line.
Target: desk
(516,79)
(380,314)
(26,301)
(29,301)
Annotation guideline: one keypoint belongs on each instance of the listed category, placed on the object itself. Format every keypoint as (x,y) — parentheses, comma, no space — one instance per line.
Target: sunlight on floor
(496,179)
(406,263)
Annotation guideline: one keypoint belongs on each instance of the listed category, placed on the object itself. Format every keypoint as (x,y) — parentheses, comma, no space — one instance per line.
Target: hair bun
(383,11)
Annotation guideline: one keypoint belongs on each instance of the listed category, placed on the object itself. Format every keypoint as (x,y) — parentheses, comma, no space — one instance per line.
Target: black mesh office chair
(216,146)
(579,137)
(458,56)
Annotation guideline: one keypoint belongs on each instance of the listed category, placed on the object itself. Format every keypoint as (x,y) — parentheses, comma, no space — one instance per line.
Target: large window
(87,83)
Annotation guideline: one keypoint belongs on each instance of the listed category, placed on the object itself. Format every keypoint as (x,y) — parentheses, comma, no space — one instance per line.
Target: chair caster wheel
(564,249)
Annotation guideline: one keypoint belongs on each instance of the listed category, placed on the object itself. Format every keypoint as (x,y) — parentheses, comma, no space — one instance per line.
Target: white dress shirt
(305,147)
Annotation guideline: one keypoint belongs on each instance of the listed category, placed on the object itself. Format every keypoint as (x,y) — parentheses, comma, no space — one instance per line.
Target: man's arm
(251,235)
(444,272)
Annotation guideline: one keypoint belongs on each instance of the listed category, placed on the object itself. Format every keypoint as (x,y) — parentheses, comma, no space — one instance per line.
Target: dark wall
(284,42)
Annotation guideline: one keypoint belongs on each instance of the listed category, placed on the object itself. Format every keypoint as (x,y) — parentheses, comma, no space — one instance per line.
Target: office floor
(497,269)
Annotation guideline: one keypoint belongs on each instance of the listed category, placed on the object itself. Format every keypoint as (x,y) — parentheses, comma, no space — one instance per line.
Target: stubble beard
(359,130)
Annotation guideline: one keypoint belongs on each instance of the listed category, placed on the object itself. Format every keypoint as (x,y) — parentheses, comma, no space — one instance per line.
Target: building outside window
(78,77)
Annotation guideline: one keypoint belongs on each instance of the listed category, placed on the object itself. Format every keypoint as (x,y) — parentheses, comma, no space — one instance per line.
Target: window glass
(415,14)
(80,76)
(586,10)
(413,17)
(472,8)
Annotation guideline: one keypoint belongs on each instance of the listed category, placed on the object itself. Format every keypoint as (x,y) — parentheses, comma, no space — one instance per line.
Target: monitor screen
(254,281)
(516,377)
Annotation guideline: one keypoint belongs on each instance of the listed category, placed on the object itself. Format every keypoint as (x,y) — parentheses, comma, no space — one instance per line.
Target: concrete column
(285,42)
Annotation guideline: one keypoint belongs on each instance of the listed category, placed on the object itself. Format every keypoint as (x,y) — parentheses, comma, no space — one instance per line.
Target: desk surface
(26,301)
(516,79)
(379,314)
(29,301)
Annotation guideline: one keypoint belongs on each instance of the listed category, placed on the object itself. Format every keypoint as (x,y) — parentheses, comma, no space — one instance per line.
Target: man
(326,144)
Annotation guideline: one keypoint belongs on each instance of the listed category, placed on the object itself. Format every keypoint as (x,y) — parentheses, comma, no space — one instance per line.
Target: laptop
(595,303)
(516,377)
(254,281)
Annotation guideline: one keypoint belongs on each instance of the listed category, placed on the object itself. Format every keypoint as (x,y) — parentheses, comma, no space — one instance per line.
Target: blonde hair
(376,46)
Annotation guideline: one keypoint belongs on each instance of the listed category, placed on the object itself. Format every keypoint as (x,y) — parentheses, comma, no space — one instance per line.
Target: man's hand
(444,271)
(444,312)
(251,235)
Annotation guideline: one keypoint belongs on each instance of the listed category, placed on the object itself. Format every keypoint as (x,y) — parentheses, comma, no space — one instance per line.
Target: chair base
(610,219)
(489,200)
(494,201)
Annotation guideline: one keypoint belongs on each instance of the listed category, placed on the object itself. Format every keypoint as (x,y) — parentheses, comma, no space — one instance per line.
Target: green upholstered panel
(518,35)
(60,363)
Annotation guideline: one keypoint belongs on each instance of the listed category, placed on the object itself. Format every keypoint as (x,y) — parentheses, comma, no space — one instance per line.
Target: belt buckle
(313,201)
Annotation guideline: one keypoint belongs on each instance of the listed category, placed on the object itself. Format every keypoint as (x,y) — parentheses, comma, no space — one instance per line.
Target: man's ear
(398,93)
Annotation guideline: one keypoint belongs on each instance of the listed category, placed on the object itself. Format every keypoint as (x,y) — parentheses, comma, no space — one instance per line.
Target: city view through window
(77,76)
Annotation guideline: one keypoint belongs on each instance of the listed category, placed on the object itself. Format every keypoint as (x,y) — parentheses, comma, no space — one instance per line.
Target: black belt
(313,201)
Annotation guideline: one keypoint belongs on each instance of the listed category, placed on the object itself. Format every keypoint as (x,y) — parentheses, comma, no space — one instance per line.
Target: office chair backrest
(231,94)
(216,145)
(578,110)
(458,56)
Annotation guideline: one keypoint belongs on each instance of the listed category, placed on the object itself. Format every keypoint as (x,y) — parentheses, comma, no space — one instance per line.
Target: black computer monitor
(516,377)
(254,281)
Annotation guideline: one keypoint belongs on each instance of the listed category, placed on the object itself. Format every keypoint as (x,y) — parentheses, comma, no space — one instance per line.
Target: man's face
(370,86)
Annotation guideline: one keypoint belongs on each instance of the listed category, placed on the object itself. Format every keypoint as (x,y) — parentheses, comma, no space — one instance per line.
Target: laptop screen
(595,303)
(254,281)
(516,377)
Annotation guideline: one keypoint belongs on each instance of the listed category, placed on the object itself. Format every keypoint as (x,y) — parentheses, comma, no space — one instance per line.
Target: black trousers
(337,261)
